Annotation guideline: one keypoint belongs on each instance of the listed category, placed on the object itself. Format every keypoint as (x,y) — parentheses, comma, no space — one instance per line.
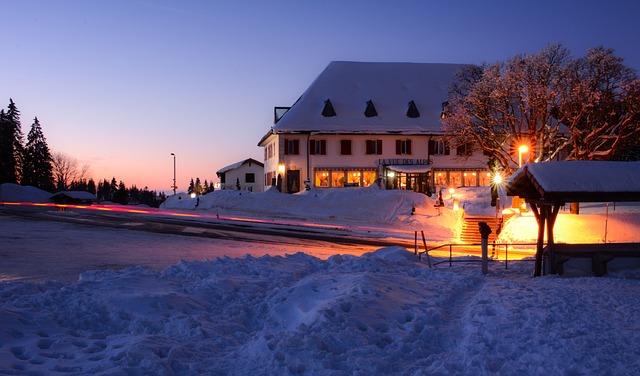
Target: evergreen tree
(121,195)
(104,191)
(11,145)
(37,170)
(91,186)
(192,187)
(198,187)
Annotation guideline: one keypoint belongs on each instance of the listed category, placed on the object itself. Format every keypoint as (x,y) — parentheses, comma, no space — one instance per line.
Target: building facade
(360,124)
(244,175)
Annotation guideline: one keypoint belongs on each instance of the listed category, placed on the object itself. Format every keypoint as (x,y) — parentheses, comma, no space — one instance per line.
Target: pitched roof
(577,181)
(349,86)
(237,165)
(78,195)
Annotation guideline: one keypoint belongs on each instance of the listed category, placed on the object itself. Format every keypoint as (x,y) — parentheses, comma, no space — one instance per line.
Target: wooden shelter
(546,187)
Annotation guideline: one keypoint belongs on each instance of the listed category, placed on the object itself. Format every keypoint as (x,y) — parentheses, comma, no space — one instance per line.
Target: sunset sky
(120,85)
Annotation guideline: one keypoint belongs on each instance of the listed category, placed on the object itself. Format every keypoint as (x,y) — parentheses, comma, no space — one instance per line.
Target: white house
(370,123)
(246,174)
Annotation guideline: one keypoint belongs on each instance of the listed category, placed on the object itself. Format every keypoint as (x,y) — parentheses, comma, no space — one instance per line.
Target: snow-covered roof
(78,195)
(582,181)
(390,87)
(237,165)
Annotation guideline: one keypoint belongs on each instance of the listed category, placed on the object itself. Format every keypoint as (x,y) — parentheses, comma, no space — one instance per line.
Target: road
(44,242)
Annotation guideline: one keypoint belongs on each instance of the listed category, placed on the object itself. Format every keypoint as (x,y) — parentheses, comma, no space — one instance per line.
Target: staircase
(470,233)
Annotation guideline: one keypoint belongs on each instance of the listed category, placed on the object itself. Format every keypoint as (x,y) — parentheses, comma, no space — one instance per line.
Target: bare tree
(600,105)
(501,105)
(66,169)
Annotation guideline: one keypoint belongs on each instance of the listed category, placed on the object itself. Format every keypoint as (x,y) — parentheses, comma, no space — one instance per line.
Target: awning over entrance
(410,169)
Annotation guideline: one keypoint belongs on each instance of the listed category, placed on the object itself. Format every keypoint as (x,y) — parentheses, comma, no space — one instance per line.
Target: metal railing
(495,248)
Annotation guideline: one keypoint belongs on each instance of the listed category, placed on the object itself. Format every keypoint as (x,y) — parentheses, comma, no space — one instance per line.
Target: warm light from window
(281,169)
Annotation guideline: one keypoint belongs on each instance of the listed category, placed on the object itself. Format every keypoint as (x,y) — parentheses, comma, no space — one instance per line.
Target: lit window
(321,179)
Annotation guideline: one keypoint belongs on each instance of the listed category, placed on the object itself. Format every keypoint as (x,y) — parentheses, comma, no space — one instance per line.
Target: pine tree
(192,187)
(113,189)
(91,186)
(122,194)
(198,187)
(11,145)
(37,169)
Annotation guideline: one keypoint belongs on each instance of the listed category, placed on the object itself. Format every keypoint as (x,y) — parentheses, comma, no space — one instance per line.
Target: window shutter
(408,146)
(432,147)
(369,147)
(312,147)
(286,147)
(398,147)
(379,146)
(323,147)
(447,150)
(296,147)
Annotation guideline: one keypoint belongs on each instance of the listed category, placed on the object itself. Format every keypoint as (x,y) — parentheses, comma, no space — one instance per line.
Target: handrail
(466,245)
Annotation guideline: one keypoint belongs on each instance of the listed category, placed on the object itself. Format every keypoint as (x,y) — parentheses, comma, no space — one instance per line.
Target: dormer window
(328,110)
(444,110)
(370,111)
(412,111)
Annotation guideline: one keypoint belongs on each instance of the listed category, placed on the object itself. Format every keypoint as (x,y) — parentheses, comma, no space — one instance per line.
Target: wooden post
(540,214)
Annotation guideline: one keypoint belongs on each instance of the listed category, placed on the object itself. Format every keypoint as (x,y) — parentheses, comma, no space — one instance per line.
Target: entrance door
(293,181)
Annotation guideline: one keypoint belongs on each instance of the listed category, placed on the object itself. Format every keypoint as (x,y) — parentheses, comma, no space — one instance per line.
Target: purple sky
(121,85)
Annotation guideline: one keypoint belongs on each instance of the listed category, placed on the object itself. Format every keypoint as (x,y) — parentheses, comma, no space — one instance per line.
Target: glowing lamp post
(174,174)
(521,150)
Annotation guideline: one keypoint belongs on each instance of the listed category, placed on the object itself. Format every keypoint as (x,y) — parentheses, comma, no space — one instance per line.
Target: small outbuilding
(244,175)
(73,198)
(546,187)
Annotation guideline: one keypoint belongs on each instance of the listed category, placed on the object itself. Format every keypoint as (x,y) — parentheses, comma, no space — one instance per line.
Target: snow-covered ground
(383,312)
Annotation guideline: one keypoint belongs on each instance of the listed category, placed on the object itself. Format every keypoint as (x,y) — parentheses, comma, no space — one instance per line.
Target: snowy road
(29,245)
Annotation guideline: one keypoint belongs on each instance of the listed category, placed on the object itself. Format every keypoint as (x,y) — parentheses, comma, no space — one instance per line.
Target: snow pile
(381,313)
(371,206)
(18,193)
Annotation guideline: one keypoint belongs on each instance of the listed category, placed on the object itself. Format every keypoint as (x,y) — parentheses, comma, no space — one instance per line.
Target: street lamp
(174,174)
(521,150)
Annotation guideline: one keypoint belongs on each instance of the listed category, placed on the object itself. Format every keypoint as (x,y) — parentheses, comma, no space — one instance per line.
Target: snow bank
(370,206)
(18,193)
(381,313)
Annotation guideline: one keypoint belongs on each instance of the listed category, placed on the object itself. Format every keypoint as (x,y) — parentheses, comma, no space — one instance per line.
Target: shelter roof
(576,181)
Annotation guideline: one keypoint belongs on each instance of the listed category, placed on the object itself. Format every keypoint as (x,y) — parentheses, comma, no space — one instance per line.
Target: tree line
(199,188)
(561,107)
(33,164)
